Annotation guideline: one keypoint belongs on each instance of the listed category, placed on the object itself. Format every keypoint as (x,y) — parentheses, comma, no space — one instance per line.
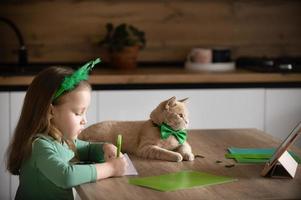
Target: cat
(143,138)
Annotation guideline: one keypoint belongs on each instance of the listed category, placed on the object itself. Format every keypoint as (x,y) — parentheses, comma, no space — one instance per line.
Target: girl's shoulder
(46,145)
(45,138)
(42,141)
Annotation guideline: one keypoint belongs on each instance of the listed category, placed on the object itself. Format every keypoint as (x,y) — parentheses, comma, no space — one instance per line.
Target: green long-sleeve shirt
(49,174)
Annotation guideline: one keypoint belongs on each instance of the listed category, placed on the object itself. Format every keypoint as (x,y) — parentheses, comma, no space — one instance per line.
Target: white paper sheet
(131,170)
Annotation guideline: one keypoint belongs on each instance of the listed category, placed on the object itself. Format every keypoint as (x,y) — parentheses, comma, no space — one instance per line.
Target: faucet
(22,54)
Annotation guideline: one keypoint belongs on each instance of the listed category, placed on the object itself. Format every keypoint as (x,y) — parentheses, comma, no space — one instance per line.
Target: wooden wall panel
(59,31)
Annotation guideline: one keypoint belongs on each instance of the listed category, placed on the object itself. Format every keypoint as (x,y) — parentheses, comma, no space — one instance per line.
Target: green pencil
(118,144)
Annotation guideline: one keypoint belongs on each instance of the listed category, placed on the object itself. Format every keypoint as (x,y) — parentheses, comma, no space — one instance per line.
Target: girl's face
(70,115)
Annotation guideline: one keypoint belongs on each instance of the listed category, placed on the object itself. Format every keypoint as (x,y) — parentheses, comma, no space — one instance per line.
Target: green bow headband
(70,82)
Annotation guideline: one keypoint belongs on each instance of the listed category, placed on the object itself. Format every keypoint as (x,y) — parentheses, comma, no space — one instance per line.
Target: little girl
(45,151)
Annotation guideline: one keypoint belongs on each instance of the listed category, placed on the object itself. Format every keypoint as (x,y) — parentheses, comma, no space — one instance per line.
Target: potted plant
(123,43)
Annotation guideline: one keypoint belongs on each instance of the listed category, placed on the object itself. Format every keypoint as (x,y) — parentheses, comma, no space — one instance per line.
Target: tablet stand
(282,164)
(285,167)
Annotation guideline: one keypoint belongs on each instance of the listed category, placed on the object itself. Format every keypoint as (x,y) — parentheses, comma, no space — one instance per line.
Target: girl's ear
(51,111)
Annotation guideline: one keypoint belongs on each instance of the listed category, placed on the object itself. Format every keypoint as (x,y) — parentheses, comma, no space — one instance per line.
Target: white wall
(218,108)
(4,124)
(282,112)
(16,103)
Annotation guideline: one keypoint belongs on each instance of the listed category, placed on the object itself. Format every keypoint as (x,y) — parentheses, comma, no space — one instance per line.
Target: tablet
(290,139)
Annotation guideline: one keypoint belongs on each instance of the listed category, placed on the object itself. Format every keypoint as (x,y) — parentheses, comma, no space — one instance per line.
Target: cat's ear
(170,102)
(184,100)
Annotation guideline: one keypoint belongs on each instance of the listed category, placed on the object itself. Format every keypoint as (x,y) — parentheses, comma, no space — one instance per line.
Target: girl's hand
(113,167)
(119,165)
(110,151)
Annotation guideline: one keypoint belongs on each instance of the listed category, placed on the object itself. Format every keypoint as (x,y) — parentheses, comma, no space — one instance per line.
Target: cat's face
(172,112)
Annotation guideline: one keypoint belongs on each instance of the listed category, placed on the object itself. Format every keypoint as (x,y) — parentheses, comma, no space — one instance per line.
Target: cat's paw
(177,157)
(188,157)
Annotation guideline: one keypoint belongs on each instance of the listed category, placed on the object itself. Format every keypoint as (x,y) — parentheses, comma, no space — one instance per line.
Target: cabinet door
(208,108)
(4,141)
(92,112)
(130,104)
(16,103)
(283,112)
(227,108)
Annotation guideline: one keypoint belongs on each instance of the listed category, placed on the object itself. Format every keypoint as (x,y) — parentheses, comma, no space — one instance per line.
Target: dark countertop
(156,77)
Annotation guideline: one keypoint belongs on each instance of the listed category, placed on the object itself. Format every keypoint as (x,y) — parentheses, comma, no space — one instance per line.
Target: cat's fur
(142,138)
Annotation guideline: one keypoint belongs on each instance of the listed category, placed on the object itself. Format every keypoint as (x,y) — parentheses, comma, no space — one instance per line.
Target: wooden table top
(168,76)
(212,144)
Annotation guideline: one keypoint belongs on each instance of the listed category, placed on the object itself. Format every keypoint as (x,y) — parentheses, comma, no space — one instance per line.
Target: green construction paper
(180,180)
(251,156)
(250,160)
(251,150)
(254,155)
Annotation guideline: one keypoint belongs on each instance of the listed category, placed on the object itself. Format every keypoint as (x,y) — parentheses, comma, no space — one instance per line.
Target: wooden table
(212,144)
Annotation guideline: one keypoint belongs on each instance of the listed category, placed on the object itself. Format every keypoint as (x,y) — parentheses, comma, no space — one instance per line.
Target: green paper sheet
(180,180)
(240,158)
(254,155)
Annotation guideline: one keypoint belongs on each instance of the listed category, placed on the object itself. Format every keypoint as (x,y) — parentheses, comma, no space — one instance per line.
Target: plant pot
(125,59)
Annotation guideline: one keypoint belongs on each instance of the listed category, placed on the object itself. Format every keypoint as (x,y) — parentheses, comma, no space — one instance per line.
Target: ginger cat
(143,138)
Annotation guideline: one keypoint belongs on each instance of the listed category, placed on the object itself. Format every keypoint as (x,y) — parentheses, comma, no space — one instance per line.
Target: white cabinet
(11,104)
(131,104)
(4,140)
(212,108)
(282,111)
(92,114)
(16,103)
(226,108)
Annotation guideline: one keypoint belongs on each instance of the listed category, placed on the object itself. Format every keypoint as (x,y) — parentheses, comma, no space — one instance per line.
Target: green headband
(70,82)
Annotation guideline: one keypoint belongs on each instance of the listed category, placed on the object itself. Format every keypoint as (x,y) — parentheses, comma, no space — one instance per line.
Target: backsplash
(67,31)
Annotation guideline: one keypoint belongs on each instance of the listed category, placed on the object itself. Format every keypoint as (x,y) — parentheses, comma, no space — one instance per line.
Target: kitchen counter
(172,77)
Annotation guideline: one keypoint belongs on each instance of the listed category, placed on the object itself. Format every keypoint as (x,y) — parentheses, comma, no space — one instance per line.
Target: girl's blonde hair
(35,116)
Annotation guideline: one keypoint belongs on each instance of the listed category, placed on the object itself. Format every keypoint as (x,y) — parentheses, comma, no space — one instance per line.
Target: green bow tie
(166,131)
